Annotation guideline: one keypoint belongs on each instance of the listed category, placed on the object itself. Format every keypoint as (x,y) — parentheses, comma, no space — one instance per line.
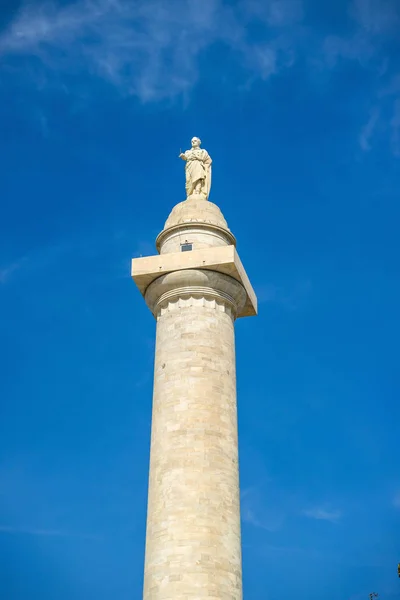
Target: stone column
(193,548)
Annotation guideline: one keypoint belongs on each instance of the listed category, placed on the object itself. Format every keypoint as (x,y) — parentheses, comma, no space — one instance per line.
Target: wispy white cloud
(7,271)
(395,127)
(45,532)
(323,514)
(375,22)
(372,20)
(88,246)
(396,500)
(277,13)
(148,48)
(357,47)
(153,50)
(368,130)
(37,261)
(375,16)
(392,88)
(256,512)
(389,98)
(268,523)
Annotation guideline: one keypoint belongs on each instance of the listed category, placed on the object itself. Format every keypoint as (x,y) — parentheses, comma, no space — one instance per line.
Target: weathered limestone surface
(193,546)
(193,529)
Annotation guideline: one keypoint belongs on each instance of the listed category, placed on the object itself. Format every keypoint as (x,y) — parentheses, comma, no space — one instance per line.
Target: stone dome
(196,211)
(192,225)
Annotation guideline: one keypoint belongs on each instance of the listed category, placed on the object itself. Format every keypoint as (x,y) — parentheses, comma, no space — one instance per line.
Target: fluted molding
(200,287)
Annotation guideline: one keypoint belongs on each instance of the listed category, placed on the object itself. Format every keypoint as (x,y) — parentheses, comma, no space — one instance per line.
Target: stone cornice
(223,260)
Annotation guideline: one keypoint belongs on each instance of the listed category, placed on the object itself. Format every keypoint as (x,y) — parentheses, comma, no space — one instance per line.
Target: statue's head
(196,142)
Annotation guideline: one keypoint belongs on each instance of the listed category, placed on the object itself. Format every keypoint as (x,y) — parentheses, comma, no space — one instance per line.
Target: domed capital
(208,288)
(196,222)
(196,209)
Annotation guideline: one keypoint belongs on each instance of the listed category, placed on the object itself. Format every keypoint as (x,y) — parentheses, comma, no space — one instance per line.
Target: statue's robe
(198,168)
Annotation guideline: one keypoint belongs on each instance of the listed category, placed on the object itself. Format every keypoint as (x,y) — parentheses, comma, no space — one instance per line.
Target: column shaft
(193,523)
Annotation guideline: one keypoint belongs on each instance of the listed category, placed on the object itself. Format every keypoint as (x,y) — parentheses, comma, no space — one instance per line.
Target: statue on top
(198,170)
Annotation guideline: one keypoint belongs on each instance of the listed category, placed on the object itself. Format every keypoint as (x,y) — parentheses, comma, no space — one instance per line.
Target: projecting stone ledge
(224,259)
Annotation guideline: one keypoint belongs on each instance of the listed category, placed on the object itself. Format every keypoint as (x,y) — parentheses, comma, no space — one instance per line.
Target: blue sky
(298,103)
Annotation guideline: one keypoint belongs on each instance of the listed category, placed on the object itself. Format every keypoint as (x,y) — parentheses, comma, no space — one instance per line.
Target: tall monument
(195,287)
